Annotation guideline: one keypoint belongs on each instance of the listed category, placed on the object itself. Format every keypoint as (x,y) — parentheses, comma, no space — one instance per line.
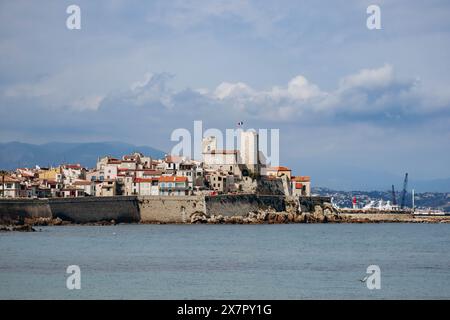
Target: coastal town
(218,172)
(224,186)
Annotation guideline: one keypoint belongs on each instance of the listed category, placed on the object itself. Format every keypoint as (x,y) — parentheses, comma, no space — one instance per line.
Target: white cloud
(364,94)
(369,78)
(232,90)
(300,89)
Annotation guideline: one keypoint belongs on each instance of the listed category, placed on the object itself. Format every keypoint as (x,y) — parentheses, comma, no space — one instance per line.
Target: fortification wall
(148,209)
(94,209)
(169,209)
(13,211)
(242,204)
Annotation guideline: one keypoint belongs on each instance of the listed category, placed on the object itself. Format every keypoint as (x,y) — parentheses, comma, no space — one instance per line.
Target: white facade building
(249,149)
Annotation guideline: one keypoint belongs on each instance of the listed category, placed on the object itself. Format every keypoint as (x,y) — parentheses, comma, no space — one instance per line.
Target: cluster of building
(219,172)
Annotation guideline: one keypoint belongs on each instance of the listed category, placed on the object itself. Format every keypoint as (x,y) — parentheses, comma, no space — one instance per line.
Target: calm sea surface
(227,261)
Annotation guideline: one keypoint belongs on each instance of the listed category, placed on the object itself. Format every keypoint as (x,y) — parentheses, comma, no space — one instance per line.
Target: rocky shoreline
(28,225)
(326,214)
(321,214)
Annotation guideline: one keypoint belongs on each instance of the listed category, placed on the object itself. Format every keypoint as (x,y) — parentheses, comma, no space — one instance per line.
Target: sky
(353,105)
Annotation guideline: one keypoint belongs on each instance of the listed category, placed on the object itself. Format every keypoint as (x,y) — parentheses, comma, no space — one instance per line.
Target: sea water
(294,261)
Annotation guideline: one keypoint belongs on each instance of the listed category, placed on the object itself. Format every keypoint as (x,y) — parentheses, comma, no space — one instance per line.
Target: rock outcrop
(294,214)
(21,228)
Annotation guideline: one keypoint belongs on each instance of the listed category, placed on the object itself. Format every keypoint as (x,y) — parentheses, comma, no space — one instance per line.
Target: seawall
(94,209)
(169,209)
(15,211)
(145,209)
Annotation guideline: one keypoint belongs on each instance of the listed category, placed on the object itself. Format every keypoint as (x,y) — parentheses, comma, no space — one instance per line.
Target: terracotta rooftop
(301,179)
(153,172)
(173,159)
(9,179)
(72,166)
(172,179)
(139,180)
(82,183)
(279,168)
(114,161)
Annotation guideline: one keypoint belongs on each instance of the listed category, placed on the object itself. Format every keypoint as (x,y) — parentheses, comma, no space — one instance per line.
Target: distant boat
(429,212)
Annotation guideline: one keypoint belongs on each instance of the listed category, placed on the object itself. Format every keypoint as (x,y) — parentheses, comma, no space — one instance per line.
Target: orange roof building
(278,171)
(172,179)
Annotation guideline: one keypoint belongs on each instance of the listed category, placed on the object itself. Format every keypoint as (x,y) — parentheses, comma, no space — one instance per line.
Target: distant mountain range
(18,154)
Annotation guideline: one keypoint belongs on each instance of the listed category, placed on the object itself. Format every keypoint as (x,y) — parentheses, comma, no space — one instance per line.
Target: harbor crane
(394,198)
(405,185)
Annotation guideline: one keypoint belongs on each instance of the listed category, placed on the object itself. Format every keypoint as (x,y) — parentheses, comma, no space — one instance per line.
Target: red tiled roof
(8,179)
(152,172)
(72,166)
(172,179)
(82,183)
(26,174)
(173,158)
(278,169)
(139,180)
(301,179)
